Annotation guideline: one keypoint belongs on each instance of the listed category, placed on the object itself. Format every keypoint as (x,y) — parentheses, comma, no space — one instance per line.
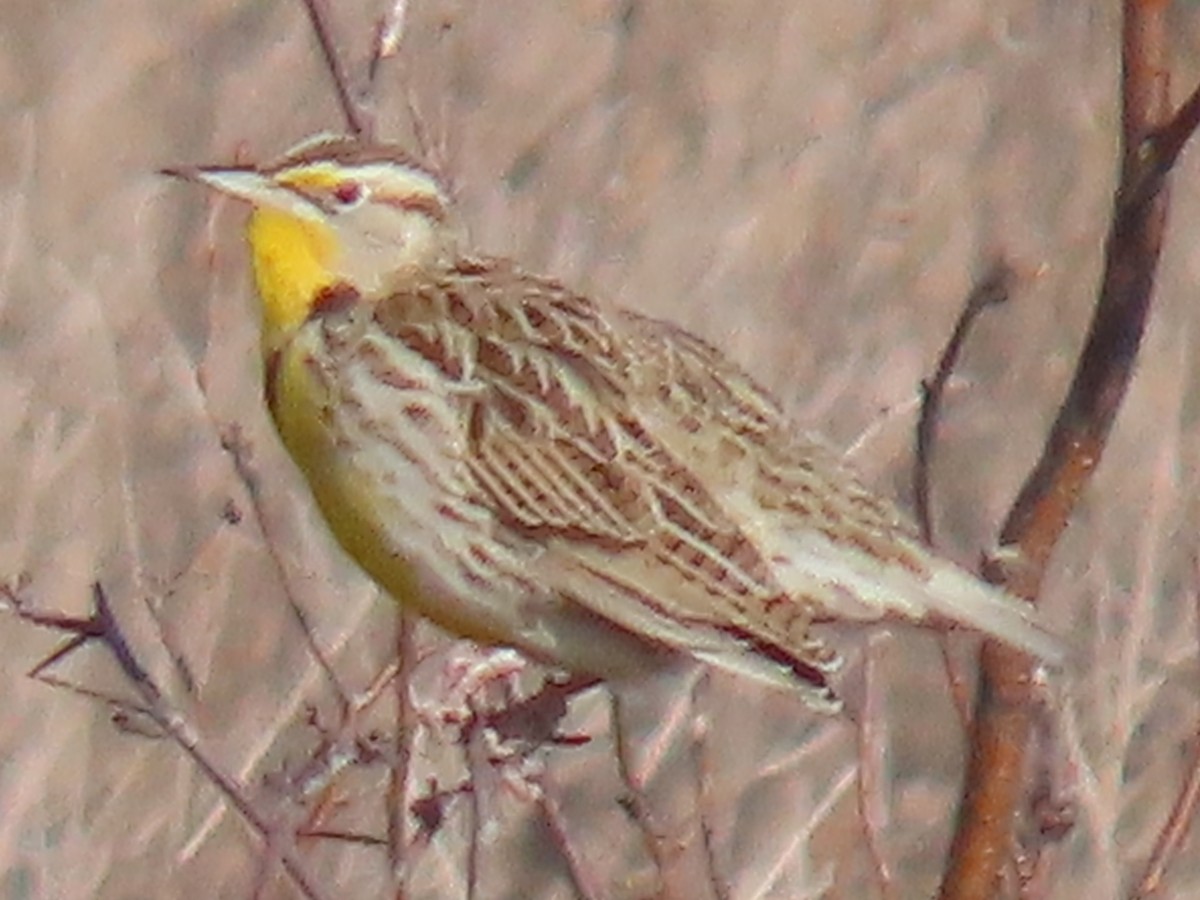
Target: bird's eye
(348,193)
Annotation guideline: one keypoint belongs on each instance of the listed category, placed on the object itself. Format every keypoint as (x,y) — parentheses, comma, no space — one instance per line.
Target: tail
(956,594)
(855,586)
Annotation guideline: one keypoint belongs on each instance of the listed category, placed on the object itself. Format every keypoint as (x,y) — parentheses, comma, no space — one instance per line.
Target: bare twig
(587,883)
(399,771)
(236,445)
(388,36)
(1003,721)
(991,290)
(635,799)
(359,119)
(101,626)
(1179,823)
(872,755)
(959,691)
(704,780)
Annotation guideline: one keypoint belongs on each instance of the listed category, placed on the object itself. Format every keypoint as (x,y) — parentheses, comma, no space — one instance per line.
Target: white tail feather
(959,595)
(854,585)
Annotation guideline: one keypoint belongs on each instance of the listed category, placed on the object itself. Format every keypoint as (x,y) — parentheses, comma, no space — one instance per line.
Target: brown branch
(102,626)
(1161,150)
(991,290)
(1003,721)
(359,118)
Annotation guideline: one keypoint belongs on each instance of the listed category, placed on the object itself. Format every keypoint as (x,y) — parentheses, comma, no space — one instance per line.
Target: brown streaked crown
(342,150)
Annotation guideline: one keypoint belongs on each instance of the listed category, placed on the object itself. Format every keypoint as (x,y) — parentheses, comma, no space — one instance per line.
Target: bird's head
(335,213)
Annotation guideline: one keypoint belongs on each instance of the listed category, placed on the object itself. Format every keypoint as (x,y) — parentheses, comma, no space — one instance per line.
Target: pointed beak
(248,185)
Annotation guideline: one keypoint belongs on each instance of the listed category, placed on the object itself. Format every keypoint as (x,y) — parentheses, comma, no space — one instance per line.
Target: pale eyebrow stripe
(427,204)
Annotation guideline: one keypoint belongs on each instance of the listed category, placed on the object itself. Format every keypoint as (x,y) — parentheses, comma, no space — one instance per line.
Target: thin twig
(359,119)
(389,33)
(669,837)
(1179,823)
(406,726)
(635,800)
(477,765)
(959,692)
(586,882)
(389,37)
(872,753)
(101,626)
(704,782)
(235,444)
(991,290)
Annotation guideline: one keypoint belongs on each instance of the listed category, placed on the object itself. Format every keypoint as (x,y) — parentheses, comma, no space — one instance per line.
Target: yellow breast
(306,418)
(361,512)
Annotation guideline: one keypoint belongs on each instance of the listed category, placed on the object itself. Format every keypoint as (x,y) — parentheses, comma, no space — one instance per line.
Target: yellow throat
(293,263)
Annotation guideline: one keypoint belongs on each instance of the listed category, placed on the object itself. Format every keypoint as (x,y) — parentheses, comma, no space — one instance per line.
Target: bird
(602,490)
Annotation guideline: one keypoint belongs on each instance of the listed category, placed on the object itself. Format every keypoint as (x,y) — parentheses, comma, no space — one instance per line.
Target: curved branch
(1004,718)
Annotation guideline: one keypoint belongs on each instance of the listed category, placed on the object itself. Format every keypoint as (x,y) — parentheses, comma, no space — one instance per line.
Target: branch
(1004,718)
(990,290)
(1172,836)
(359,118)
(102,626)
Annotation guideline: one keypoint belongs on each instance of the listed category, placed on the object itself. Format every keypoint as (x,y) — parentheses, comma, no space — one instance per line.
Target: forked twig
(1004,715)
(101,626)
(1160,151)
(991,290)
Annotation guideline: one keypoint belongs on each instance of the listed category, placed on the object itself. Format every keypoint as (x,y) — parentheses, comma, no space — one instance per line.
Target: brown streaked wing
(827,537)
(557,447)
(795,477)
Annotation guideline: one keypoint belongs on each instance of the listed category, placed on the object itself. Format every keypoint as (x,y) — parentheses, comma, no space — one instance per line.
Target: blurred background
(814,187)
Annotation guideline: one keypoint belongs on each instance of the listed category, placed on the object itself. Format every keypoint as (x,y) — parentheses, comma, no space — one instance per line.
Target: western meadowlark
(596,487)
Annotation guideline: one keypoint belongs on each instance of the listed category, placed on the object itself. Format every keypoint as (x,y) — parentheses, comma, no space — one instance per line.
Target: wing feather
(664,487)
